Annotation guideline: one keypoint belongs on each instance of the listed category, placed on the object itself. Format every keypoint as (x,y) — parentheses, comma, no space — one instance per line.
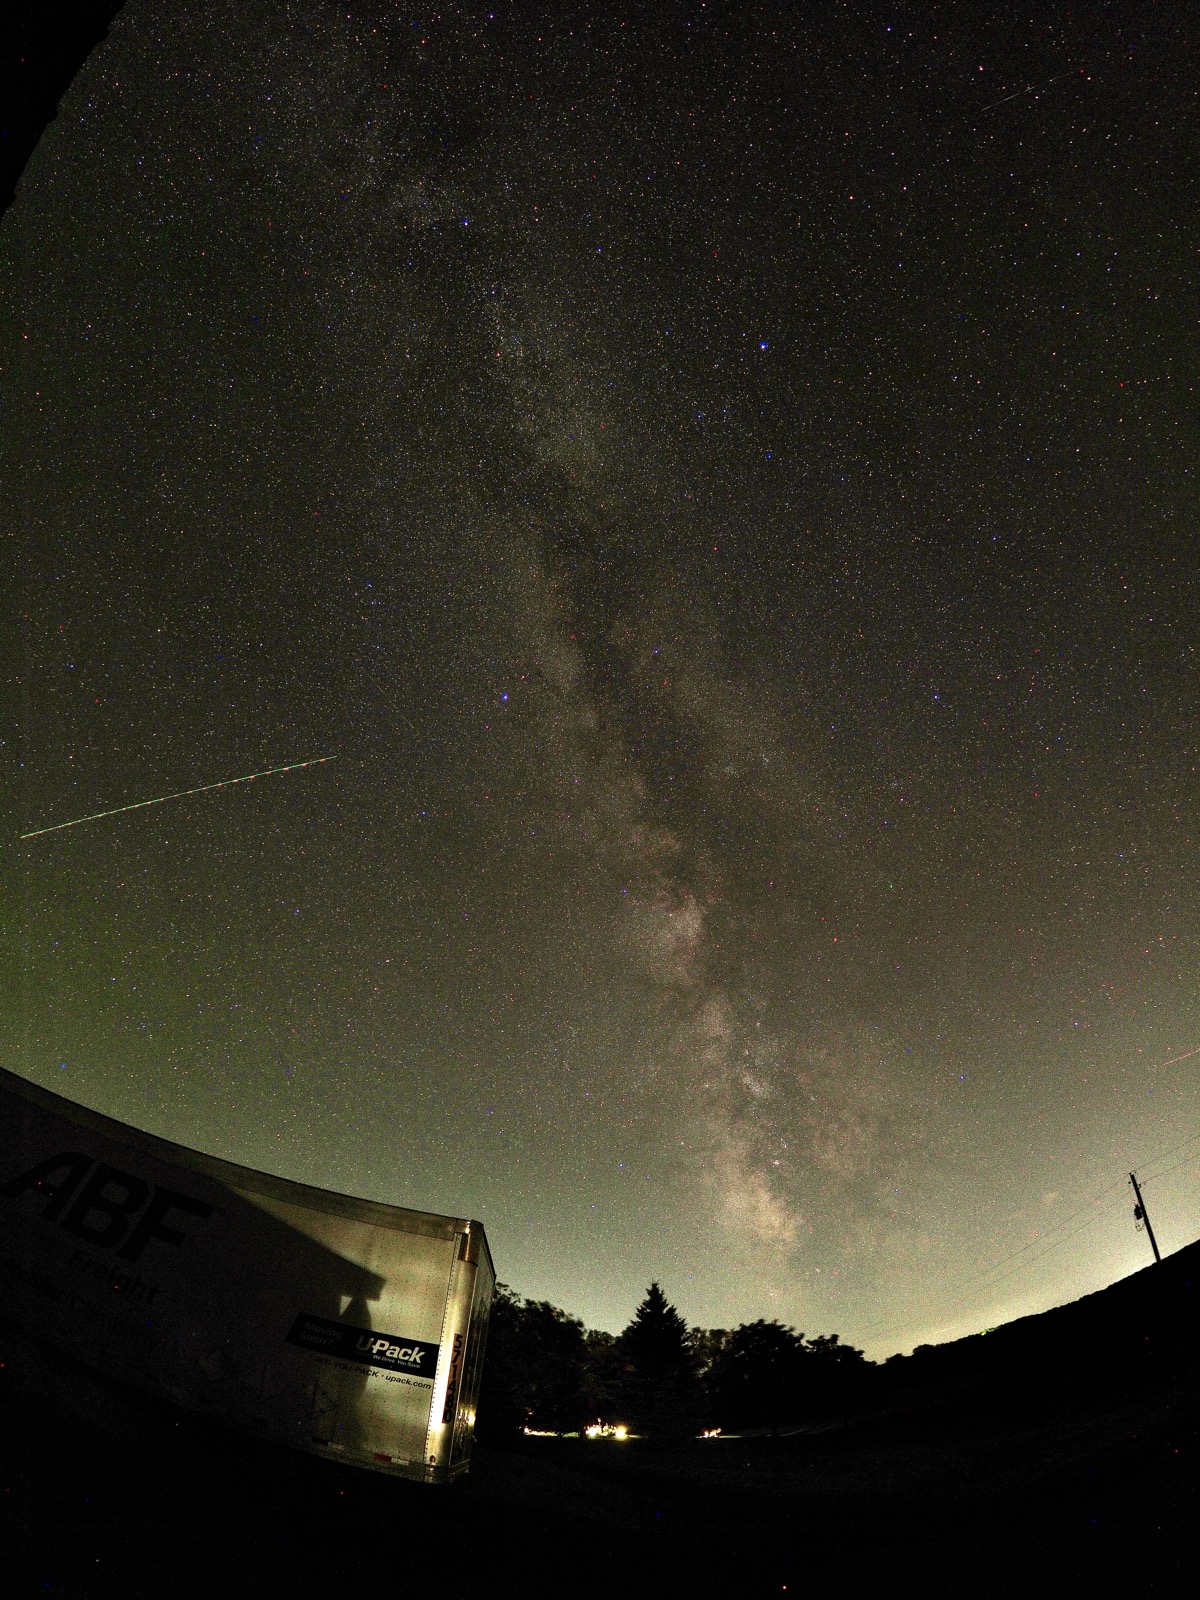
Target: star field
(723,486)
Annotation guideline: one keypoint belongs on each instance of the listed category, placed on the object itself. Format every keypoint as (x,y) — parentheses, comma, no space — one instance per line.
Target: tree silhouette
(707,1344)
(758,1378)
(553,1351)
(503,1405)
(545,1371)
(534,1372)
(766,1374)
(840,1374)
(602,1375)
(659,1389)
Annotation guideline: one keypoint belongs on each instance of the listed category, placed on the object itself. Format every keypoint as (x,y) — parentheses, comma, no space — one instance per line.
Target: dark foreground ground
(952,1495)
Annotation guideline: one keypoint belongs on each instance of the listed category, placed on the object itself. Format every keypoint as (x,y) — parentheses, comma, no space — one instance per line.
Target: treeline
(545,1371)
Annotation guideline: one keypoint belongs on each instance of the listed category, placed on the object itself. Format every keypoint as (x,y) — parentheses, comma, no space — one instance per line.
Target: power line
(1083,1225)
(1181,1146)
(969,1281)
(974,1289)
(968,1278)
(1186,1162)
(1049,1233)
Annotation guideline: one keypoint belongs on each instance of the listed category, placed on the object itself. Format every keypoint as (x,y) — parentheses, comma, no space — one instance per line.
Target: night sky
(722,482)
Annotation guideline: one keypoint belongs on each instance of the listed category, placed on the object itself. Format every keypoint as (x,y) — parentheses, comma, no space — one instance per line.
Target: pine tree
(660,1390)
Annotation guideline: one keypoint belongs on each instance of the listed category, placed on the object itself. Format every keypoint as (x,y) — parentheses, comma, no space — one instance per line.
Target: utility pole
(1140,1215)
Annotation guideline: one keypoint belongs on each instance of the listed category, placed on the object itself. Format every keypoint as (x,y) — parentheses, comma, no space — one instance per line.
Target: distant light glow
(604,1430)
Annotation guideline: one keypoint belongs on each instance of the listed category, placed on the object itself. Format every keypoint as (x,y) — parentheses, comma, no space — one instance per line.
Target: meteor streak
(180,794)
(1186,1056)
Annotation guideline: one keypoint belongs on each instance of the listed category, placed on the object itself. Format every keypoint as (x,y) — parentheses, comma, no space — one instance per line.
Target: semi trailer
(343,1327)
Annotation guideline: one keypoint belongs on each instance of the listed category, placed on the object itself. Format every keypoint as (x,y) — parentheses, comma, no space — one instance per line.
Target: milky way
(725,492)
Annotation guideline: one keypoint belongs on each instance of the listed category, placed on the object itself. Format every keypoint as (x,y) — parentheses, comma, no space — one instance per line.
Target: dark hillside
(1139,1333)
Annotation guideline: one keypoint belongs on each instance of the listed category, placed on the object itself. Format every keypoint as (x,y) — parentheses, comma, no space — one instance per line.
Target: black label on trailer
(372,1349)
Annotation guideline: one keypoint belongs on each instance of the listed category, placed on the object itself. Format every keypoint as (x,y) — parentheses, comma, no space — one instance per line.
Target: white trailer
(344,1327)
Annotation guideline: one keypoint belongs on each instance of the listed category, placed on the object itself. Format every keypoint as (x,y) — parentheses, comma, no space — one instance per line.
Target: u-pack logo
(103,1206)
(364,1345)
